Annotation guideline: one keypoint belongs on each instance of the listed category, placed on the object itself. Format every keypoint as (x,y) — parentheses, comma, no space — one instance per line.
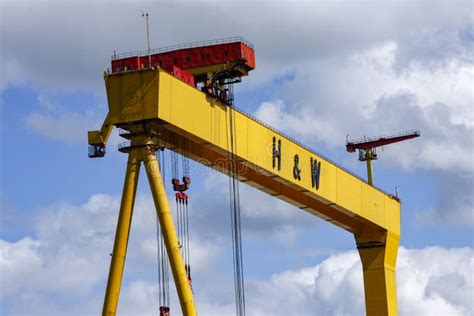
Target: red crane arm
(369,143)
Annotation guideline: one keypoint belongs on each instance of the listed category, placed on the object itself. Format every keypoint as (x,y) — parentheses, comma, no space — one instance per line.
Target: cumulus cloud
(74,53)
(374,98)
(362,67)
(261,215)
(68,248)
(56,122)
(68,256)
(456,205)
(60,123)
(71,244)
(68,127)
(369,93)
(426,277)
(401,66)
(426,285)
(379,79)
(431,281)
(64,266)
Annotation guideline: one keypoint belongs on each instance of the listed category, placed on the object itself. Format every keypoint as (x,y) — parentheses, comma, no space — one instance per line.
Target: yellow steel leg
(370,178)
(378,261)
(121,236)
(169,235)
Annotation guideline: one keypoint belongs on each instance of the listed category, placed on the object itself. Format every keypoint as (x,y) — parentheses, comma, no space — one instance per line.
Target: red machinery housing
(192,62)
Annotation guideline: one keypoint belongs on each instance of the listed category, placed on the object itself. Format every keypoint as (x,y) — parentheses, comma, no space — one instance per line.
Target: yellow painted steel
(143,149)
(156,95)
(169,234)
(121,236)
(175,111)
(378,263)
(370,178)
(100,137)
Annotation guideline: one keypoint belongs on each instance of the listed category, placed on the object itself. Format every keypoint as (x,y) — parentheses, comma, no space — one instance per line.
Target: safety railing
(125,55)
(307,148)
(388,136)
(166,49)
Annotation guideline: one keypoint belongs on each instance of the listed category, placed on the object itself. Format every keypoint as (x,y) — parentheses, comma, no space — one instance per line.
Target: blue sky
(323,71)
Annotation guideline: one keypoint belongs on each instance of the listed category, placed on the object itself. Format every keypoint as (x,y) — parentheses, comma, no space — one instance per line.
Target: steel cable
(163,268)
(236,219)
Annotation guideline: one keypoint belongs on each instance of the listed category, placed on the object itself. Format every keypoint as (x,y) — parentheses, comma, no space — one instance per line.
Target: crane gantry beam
(184,119)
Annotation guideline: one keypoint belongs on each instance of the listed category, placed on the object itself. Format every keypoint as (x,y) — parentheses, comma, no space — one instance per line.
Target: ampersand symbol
(296,168)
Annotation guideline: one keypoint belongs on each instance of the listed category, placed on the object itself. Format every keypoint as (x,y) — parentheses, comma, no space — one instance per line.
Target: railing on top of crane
(309,148)
(227,40)
(372,139)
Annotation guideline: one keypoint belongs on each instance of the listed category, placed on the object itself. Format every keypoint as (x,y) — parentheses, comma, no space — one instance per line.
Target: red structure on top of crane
(195,59)
(214,64)
(367,147)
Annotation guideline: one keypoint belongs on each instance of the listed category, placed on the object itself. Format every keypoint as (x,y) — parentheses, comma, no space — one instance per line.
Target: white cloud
(365,95)
(65,266)
(70,249)
(68,127)
(68,256)
(455,205)
(60,123)
(431,281)
(359,69)
(436,281)
(75,241)
(74,53)
(332,287)
(369,93)
(10,74)
(261,215)
(410,67)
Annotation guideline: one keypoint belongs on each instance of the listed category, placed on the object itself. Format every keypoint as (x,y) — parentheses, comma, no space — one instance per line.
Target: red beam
(369,143)
(188,57)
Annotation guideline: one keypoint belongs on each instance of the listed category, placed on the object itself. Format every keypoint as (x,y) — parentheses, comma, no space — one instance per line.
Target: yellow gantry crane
(159,105)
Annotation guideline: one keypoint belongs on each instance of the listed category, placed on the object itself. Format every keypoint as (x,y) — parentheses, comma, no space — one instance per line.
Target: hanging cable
(235,218)
(186,177)
(186,227)
(185,160)
(180,163)
(163,261)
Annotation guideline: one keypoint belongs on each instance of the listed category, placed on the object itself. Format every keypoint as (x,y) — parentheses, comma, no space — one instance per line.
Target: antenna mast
(146,16)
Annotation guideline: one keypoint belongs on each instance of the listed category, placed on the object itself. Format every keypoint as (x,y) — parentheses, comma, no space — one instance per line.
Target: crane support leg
(169,235)
(370,178)
(121,236)
(379,258)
